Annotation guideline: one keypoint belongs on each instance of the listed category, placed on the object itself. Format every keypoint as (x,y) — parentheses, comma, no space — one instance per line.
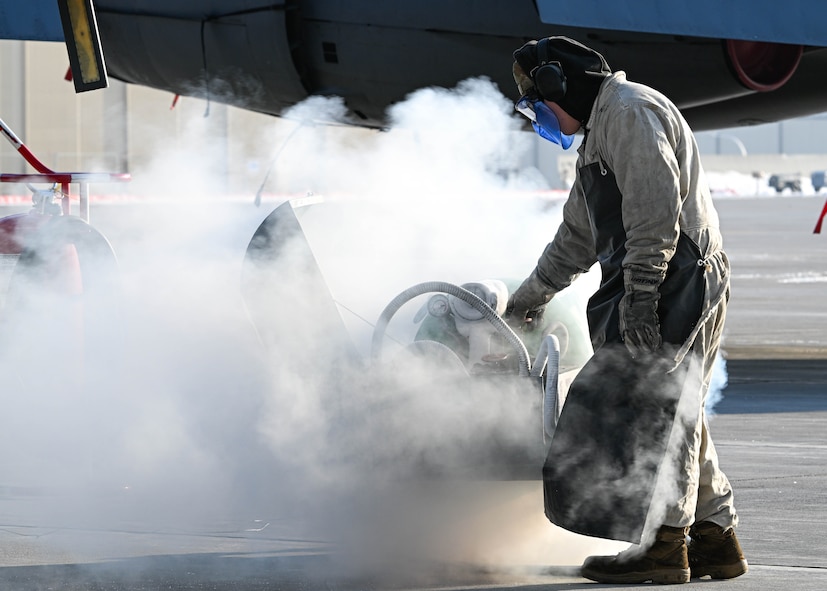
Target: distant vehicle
(779,182)
(817,178)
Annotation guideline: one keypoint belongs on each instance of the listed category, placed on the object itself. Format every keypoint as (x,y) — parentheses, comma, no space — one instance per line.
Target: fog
(200,400)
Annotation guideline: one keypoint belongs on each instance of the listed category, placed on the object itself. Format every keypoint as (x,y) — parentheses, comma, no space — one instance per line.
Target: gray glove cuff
(532,295)
(538,285)
(636,280)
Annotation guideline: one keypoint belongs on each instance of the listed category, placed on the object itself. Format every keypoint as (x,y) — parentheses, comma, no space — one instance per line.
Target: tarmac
(769,429)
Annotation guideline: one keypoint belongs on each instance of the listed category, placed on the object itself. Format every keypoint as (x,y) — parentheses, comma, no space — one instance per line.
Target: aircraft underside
(268,57)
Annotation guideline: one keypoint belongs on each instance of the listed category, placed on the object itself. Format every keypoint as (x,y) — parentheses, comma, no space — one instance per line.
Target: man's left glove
(529,299)
(639,324)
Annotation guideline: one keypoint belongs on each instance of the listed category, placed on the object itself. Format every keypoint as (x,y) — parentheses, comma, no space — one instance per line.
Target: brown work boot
(715,551)
(665,561)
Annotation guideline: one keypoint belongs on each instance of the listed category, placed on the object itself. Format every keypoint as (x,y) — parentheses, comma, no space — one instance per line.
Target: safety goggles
(525,107)
(543,120)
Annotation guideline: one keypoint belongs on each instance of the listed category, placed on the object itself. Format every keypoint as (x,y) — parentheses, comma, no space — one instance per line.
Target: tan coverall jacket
(640,135)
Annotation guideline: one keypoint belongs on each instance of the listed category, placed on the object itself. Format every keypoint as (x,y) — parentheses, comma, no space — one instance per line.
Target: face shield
(543,120)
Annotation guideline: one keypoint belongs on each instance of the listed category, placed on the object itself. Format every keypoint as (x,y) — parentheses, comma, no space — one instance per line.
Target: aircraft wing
(32,20)
(797,22)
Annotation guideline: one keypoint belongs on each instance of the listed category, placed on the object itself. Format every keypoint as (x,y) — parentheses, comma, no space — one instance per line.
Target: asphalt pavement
(769,428)
(779,276)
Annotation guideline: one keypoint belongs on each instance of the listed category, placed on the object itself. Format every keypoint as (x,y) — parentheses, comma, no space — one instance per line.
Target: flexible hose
(460,293)
(549,355)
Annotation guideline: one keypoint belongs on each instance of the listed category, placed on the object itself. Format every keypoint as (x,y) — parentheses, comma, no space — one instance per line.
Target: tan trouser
(691,485)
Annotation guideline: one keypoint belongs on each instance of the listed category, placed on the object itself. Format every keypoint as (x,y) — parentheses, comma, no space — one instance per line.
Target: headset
(548,76)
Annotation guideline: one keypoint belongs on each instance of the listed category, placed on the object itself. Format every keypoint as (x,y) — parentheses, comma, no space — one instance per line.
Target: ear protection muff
(548,76)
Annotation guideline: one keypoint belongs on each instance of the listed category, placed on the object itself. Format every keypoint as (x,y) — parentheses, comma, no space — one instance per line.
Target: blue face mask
(544,121)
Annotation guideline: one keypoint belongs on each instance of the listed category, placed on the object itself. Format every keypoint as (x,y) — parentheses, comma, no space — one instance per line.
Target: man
(641,207)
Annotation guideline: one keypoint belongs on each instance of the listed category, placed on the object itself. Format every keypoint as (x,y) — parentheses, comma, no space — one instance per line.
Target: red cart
(58,274)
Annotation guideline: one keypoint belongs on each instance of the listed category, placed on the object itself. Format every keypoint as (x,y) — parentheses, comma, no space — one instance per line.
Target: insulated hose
(548,357)
(462,294)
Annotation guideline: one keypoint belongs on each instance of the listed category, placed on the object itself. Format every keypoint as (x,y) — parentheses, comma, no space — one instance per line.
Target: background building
(123,128)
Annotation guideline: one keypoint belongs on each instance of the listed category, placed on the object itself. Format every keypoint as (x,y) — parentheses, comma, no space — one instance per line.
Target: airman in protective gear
(641,208)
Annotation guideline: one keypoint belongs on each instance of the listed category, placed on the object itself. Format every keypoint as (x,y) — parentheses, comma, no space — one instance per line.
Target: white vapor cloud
(187,410)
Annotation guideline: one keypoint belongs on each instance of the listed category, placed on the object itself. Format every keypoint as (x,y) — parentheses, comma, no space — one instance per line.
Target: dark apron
(612,433)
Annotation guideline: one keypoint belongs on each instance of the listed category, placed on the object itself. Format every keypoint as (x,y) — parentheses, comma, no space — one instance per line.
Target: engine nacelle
(762,66)
(244,59)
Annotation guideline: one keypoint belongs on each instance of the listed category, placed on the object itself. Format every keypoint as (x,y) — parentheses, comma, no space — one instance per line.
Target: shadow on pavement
(774,386)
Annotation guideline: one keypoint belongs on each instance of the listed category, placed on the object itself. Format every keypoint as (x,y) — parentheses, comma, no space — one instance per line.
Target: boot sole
(670,576)
(724,571)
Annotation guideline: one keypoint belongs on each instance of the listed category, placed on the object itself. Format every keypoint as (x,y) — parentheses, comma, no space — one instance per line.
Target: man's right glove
(639,324)
(525,304)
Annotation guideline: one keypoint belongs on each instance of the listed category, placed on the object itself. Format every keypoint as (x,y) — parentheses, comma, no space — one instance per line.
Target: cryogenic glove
(527,303)
(639,324)
(524,83)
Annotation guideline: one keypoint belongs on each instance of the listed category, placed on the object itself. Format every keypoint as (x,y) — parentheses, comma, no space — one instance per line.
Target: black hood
(584,68)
